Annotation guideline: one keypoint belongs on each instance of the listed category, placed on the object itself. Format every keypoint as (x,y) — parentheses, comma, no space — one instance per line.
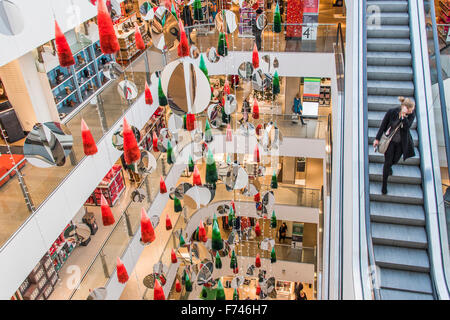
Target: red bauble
(147,231)
(131,150)
(89,145)
(196,179)
(140,45)
(108,39)
(255,112)
(162,186)
(158,292)
(107,216)
(65,55)
(258,261)
(255,57)
(256,157)
(177,286)
(173,257)
(190,121)
(122,274)
(148,97)
(257,229)
(155,142)
(168,223)
(257,197)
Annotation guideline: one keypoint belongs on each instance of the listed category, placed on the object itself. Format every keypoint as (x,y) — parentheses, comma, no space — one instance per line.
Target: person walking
(396,123)
(255,30)
(297,108)
(282,232)
(187,18)
(299,293)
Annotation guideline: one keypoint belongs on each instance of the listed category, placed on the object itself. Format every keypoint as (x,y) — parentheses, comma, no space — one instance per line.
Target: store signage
(311,6)
(309,30)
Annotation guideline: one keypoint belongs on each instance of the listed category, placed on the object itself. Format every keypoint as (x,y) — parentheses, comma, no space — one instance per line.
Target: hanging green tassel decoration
(222,48)
(182,242)
(235,294)
(274,182)
(277,20)
(273,220)
(218,261)
(204,293)
(170,155)
(276,84)
(173,11)
(163,21)
(215,219)
(230,217)
(216,241)
(220,293)
(202,67)
(226,118)
(161,96)
(188,283)
(184,121)
(177,204)
(191,164)
(233,260)
(273,256)
(208,132)
(198,11)
(228,159)
(211,170)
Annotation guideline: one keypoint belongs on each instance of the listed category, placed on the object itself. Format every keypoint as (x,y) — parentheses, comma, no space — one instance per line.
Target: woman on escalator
(397,140)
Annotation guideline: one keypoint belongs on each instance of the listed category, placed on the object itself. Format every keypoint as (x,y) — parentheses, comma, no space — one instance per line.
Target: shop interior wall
(291,89)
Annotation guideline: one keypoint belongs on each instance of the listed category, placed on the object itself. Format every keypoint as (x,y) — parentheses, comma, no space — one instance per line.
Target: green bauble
(177,204)
(188,283)
(211,170)
(277,20)
(222,48)
(235,294)
(161,96)
(208,132)
(198,11)
(274,182)
(216,239)
(276,84)
(218,261)
(233,260)
(220,293)
(204,293)
(273,220)
(170,155)
(273,256)
(191,164)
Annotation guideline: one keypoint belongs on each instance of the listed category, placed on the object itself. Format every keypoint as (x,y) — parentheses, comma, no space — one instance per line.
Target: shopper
(245,109)
(396,124)
(299,293)
(187,18)
(297,107)
(255,30)
(282,232)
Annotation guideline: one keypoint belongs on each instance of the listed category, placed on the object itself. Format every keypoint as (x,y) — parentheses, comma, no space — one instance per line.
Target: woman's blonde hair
(407,102)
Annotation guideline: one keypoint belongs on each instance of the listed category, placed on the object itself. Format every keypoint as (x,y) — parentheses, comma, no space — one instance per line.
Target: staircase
(397,219)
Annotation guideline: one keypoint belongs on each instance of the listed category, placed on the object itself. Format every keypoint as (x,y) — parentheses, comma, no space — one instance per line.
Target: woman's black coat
(407,142)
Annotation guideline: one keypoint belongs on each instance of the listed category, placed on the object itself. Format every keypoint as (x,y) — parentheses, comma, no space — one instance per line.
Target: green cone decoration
(195,236)
(211,170)
(177,204)
(273,256)
(277,20)
(226,118)
(220,293)
(182,242)
(215,219)
(274,182)
(218,261)
(191,164)
(161,96)
(202,66)
(230,217)
(235,294)
(163,22)
(170,155)
(204,293)
(208,132)
(273,220)
(276,84)
(216,241)
(233,260)
(228,159)
(188,283)
(222,48)
(198,11)
(173,11)
(184,121)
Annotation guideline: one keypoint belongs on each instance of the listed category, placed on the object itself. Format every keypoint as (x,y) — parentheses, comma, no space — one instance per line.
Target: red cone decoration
(155,142)
(65,55)
(190,121)
(236,270)
(202,232)
(122,274)
(140,45)
(147,231)
(149,99)
(257,229)
(257,197)
(258,261)
(168,223)
(173,257)
(256,157)
(183,46)
(226,87)
(108,40)
(255,113)
(233,206)
(255,57)
(258,129)
(107,216)
(258,289)
(89,145)
(177,286)
(130,148)
(162,186)
(196,179)
(229,137)
(158,292)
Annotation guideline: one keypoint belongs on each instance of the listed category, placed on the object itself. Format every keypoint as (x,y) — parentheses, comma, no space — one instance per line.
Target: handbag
(386,140)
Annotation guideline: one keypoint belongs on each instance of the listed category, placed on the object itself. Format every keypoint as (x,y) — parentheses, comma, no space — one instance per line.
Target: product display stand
(62,248)
(294,14)
(246,15)
(112,187)
(325,93)
(125,35)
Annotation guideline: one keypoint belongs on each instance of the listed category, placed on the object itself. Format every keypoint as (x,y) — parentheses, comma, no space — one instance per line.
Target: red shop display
(294,14)
(112,187)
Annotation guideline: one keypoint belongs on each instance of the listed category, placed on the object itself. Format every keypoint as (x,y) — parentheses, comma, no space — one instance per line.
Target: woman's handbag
(385,140)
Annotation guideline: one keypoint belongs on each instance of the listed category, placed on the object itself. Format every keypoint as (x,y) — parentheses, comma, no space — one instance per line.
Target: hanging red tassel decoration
(202,232)
(229,136)
(236,270)
(148,96)
(147,231)
(122,274)
(257,197)
(226,87)
(233,206)
(162,186)
(65,55)
(107,215)
(190,121)
(158,292)
(168,223)
(155,142)
(183,46)
(108,39)
(177,286)
(140,45)
(255,113)
(89,146)
(256,157)
(196,179)
(131,150)
(255,57)
(257,229)
(258,261)
(258,290)
(173,257)
(258,129)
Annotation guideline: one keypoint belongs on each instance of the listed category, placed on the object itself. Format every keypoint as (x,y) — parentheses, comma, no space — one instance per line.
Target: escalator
(397,220)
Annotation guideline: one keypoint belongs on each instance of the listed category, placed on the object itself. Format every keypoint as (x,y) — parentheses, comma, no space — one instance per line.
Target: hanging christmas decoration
(148,96)
(275,84)
(190,121)
(273,256)
(256,157)
(230,217)
(211,169)
(177,286)
(216,243)
(161,96)
(108,39)
(89,146)
(222,49)
(258,261)
(229,137)
(184,122)
(198,11)
(131,150)
(174,12)
(155,142)
(257,197)
(187,283)
(202,66)
(258,290)
(236,294)
(218,261)
(183,46)
(255,113)
(233,261)
(177,204)
(226,118)
(168,222)
(65,55)
(191,164)
(147,231)
(122,274)
(220,292)
(233,205)
(274,182)
(158,292)
(173,257)
(201,232)
(208,132)
(182,242)
(257,229)
(277,19)
(107,215)
(196,179)
(140,45)
(170,155)
(204,293)
(255,57)
(226,87)
(273,220)
(162,186)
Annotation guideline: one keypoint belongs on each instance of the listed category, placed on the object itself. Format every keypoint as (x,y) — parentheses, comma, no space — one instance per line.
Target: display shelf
(246,15)
(111,187)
